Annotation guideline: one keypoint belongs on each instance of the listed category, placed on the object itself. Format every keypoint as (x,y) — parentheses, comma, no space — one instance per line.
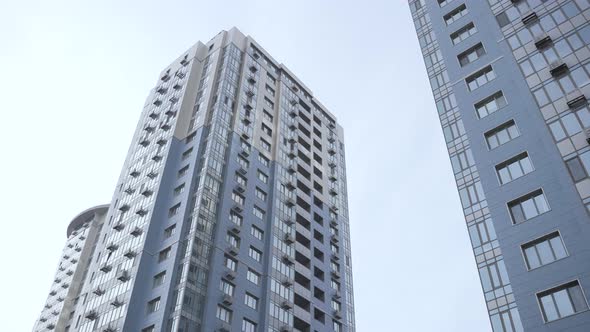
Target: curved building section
(82,233)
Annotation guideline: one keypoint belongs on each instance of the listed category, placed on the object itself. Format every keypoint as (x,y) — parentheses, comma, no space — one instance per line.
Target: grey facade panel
(567,213)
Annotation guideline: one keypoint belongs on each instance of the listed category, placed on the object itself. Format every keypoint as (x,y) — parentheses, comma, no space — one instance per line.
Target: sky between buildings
(75,77)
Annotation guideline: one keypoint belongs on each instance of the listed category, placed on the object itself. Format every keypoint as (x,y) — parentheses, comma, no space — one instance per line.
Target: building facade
(230,213)
(511,80)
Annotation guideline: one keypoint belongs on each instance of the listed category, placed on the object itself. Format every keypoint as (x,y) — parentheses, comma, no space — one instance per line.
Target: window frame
(554,289)
(540,239)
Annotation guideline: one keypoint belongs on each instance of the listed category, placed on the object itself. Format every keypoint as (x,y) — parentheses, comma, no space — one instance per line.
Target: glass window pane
(526,165)
(513,131)
(529,209)
(576,169)
(571,124)
(532,258)
(507,323)
(517,214)
(557,131)
(549,308)
(503,136)
(516,320)
(485,279)
(541,203)
(504,175)
(545,252)
(515,170)
(474,236)
(564,305)
(558,248)
(577,298)
(585,158)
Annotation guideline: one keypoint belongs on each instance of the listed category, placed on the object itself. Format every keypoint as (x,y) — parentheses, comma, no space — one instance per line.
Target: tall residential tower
(230,213)
(511,80)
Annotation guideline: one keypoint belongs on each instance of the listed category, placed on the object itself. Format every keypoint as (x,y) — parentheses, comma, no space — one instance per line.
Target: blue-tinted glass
(532,258)
(558,247)
(564,305)
(549,308)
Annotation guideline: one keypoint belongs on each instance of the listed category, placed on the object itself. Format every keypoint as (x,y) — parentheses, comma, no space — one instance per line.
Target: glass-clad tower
(230,213)
(511,80)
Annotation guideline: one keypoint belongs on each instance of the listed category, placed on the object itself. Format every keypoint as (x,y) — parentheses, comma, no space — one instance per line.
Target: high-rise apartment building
(230,213)
(511,80)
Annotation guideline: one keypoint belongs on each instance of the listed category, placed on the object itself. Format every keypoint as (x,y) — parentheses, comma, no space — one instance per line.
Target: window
(463,33)
(562,301)
(471,54)
(579,166)
(153,305)
(493,276)
(174,210)
(528,206)
(263,160)
(243,162)
(490,105)
(236,219)
(502,134)
(262,177)
(270,90)
(257,232)
(159,279)
(265,145)
(266,129)
(266,116)
(255,254)
(258,212)
(224,314)
(231,264)
(544,250)
(455,14)
(178,190)
(183,171)
(471,195)
(260,194)
(169,231)
(187,153)
(241,180)
(443,3)
(227,288)
(253,277)
(251,301)
(480,78)
(269,103)
(271,79)
(164,254)
(237,198)
(514,168)
(248,326)
(232,240)
(151,328)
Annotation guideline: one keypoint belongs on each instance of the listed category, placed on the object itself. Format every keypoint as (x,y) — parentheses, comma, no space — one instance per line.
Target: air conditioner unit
(557,68)
(286,305)
(543,42)
(232,250)
(576,99)
(227,299)
(529,18)
(230,275)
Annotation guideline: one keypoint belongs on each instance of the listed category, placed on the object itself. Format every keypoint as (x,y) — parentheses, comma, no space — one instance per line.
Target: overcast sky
(74,80)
